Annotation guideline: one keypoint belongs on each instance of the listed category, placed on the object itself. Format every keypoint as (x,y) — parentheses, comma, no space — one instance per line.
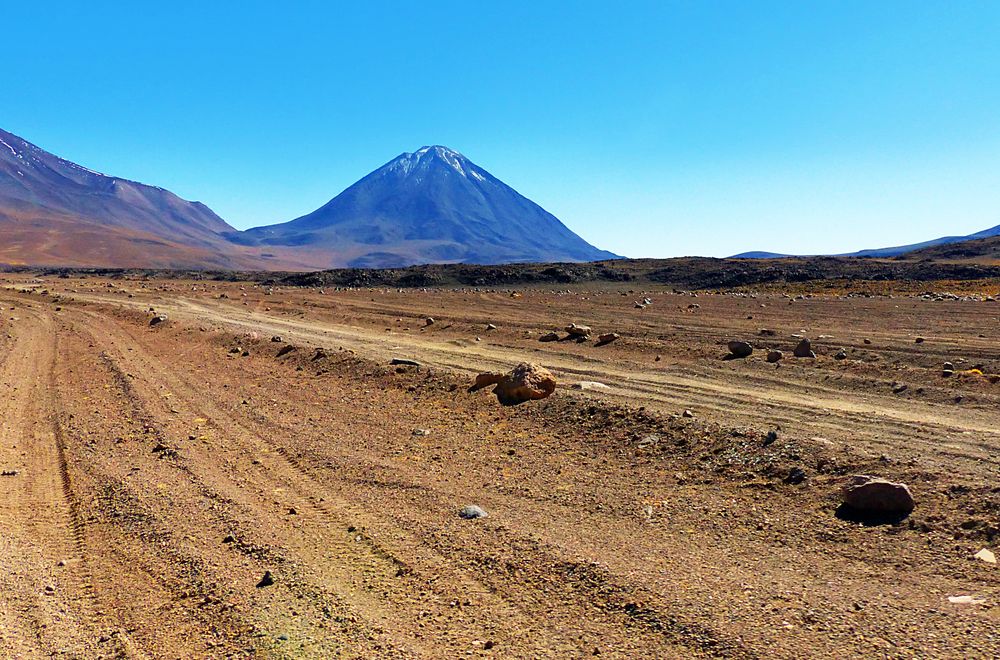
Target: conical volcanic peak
(432,205)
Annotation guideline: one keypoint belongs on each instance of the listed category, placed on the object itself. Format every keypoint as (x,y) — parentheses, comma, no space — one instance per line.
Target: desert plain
(198,468)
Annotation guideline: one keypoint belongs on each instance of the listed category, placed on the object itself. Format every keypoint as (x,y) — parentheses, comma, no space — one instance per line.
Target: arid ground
(686,506)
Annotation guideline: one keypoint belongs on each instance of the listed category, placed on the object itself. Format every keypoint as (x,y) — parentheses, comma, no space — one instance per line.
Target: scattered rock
(804,349)
(472,512)
(525,382)
(607,338)
(582,331)
(740,349)
(774,356)
(266,581)
(874,496)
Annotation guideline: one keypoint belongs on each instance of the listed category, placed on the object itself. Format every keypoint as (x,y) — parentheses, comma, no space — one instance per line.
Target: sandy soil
(153,475)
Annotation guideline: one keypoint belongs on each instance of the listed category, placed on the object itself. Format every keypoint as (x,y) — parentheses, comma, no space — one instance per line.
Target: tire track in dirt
(811,408)
(51,592)
(337,512)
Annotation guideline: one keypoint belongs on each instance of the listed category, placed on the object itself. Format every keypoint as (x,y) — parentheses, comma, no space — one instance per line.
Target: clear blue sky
(651,129)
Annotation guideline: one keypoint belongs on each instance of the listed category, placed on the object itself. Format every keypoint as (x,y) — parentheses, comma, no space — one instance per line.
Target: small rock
(965,600)
(795,476)
(472,512)
(490,326)
(582,331)
(550,336)
(404,362)
(804,349)
(919,340)
(774,356)
(421,433)
(841,355)
(285,350)
(986,555)
(868,341)
(428,321)
(277,339)
(525,382)
(266,581)
(740,349)
(590,385)
(158,319)
(688,414)
(766,332)
(607,338)
(871,495)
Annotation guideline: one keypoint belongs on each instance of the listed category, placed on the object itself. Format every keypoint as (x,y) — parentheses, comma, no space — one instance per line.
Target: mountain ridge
(53,211)
(896,251)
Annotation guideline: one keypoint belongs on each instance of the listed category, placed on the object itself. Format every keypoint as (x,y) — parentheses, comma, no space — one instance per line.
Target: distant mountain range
(430,206)
(885,252)
(55,212)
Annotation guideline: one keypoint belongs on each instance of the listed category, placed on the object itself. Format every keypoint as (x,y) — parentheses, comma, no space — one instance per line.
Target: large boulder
(874,496)
(525,382)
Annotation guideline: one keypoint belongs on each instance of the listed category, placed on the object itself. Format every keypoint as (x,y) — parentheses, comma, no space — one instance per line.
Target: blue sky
(651,129)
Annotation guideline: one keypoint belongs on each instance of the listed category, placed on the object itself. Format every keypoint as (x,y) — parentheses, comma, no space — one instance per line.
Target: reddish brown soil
(159,475)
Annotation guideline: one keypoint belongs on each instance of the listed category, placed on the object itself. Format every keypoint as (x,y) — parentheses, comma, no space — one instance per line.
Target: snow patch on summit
(422,158)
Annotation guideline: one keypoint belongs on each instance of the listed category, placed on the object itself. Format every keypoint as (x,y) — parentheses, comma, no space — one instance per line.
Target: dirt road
(154,475)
